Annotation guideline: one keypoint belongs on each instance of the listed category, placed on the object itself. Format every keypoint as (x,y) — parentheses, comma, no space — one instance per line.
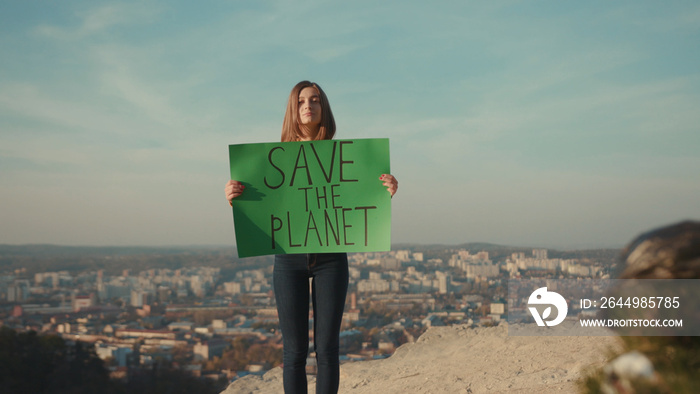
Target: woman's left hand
(392,185)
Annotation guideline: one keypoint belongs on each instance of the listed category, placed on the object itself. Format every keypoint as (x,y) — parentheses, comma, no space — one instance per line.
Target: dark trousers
(329,284)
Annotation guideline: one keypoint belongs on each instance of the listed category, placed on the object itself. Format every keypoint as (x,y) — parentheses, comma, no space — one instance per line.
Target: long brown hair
(290,126)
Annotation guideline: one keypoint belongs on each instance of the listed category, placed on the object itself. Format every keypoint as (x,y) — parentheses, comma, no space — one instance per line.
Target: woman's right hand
(233,189)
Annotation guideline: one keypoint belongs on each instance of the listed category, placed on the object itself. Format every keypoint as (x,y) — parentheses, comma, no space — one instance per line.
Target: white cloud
(333,52)
(100,19)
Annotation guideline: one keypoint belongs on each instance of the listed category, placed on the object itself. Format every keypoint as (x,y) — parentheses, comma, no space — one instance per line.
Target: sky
(525,123)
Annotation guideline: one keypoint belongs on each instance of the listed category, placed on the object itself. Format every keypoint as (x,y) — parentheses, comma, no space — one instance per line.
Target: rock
(670,252)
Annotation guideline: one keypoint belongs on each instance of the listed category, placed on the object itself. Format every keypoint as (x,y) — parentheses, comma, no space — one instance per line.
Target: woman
(309,118)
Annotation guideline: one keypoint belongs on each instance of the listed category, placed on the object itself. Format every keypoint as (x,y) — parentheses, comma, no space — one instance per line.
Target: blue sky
(555,124)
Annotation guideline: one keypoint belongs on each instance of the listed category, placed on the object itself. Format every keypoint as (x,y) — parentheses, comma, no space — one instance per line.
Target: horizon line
(397,245)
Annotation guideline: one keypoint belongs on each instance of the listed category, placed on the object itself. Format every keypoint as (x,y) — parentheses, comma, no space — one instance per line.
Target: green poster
(311,197)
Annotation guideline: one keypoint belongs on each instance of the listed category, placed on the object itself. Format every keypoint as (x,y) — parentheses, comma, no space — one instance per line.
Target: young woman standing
(309,118)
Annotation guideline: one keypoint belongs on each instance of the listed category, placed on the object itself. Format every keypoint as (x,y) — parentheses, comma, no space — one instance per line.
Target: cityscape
(212,316)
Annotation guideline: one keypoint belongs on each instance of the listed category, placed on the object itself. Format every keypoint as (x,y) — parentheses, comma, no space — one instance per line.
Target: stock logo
(543,297)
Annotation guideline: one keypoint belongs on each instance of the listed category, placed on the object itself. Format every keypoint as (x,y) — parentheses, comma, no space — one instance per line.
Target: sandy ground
(459,359)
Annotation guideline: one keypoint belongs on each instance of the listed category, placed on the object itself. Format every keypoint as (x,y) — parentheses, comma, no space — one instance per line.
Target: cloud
(326,54)
(70,118)
(100,19)
(117,77)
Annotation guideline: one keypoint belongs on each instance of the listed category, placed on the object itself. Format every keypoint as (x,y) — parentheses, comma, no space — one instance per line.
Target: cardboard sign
(311,197)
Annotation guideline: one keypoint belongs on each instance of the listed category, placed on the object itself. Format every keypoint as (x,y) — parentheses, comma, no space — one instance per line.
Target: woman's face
(309,108)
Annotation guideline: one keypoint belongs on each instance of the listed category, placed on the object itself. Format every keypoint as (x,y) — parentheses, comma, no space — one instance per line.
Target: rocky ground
(459,359)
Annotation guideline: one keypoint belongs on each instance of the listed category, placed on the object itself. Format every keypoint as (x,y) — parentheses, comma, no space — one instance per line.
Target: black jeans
(329,274)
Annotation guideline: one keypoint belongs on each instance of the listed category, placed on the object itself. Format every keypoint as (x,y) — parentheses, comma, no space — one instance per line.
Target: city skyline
(516,123)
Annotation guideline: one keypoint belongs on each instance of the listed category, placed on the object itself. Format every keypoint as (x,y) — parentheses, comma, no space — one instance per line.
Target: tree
(30,363)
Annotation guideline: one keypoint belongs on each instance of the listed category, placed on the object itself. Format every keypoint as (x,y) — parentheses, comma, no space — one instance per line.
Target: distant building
(17,292)
(255,368)
(146,334)
(232,288)
(119,353)
(432,321)
(114,290)
(402,301)
(403,255)
(218,324)
(443,280)
(518,256)
(540,254)
(208,349)
(373,286)
(139,298)
(386,346)
(485,270)
(181,326)
(79,302)
(474,266)
(17,311)
(498,308)
(354,273)
(352,314)
(390,263)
